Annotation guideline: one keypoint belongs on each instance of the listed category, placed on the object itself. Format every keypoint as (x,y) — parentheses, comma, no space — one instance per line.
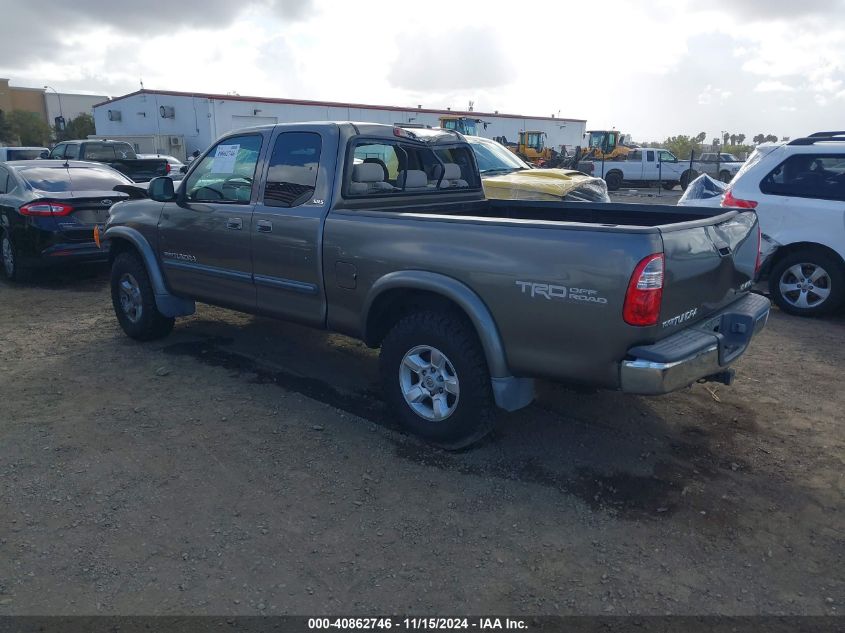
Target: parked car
(505,176)
(49,209)
(23,153)
(798,191)
(644,166)
(719,165)
(341,226)
(174,165)
(119,155)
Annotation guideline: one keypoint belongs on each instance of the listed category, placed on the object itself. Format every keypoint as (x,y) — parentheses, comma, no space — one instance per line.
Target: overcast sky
(648,68)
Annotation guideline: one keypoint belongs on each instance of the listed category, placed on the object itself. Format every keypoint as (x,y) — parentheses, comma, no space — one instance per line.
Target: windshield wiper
(506,170)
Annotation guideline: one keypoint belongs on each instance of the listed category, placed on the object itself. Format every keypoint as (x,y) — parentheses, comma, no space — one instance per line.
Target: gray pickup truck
(384,234)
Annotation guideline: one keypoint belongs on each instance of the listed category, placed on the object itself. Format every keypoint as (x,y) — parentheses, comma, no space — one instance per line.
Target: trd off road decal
(539,290)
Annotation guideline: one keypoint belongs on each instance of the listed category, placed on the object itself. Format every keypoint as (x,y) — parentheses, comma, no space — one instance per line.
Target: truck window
(58,151)
(72,151)
(649,156)
(109,151)
(385,168)
(227,172)
(808,176)
(292,175)
(635,155)
(667,157)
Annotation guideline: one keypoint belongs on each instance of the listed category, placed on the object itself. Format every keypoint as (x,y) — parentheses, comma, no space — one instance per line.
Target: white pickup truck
(642,166)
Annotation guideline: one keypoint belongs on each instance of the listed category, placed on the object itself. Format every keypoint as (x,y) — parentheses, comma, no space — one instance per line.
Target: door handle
(264,226)
(234,223)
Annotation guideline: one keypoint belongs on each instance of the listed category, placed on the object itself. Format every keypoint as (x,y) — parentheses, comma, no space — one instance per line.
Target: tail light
(730,201)
(166,168)
(42,208)
(645,292)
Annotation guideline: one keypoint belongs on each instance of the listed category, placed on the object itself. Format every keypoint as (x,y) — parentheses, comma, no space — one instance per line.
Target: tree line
(732,143)
(28,129)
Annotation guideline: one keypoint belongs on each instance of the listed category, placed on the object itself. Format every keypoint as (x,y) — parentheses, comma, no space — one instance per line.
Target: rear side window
(72,152)
(292,175)
(808,176)
(649,155)
(384,168)
(58,179)
(635,155)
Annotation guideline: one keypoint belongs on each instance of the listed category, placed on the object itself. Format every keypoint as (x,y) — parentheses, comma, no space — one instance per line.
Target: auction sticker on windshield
(224,159)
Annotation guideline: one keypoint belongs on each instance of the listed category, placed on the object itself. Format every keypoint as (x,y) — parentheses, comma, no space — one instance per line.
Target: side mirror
(44,154)
(161,189)
(183,169)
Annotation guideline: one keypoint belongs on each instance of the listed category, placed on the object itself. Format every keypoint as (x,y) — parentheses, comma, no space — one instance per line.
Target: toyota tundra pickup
(384,234)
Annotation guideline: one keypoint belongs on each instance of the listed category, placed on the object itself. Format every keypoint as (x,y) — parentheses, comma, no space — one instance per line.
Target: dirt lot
(248,466)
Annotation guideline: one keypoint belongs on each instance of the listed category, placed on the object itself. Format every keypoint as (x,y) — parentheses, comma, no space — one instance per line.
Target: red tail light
(166,168)
(645,292)
(730,201)
(45,208)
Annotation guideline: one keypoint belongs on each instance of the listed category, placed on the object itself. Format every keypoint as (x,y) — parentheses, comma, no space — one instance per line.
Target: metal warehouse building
(180,122)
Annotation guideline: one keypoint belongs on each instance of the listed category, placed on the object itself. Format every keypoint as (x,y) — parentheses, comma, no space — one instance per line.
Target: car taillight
(166,168)
(645,292)
(730,201)
(40,208)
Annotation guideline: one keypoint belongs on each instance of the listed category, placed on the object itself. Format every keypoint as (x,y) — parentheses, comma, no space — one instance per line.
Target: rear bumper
(704,351)
(56,254)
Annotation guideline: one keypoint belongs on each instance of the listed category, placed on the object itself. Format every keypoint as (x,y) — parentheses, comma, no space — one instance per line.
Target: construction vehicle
(462,124)
(530,147)
(606,145)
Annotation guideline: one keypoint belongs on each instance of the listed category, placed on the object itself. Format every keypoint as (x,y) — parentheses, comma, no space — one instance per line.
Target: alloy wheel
(429,383)
(805,285)
(130,297)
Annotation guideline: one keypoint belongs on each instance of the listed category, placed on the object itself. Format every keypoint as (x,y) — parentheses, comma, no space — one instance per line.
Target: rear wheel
(134,300)
(435,377)
(807,283)
(686,178)
(12,267)
(613,180)
(668,186)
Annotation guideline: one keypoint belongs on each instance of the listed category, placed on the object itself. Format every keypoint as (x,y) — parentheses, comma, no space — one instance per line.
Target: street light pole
(61,112)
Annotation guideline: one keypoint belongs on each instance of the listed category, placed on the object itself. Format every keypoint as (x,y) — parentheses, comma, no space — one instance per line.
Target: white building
(176,122)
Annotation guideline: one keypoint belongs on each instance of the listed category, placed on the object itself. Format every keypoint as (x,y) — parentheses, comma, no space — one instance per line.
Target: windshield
(755,158)
(58,179)
(493,157)
(110,151)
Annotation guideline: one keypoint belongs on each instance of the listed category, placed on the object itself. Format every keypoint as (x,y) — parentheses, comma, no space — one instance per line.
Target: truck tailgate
(708,264)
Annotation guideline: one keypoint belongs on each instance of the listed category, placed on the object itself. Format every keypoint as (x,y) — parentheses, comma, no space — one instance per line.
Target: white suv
(798,191)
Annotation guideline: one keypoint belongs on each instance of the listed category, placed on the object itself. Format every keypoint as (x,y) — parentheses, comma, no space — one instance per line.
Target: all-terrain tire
(134,300)
(473,411)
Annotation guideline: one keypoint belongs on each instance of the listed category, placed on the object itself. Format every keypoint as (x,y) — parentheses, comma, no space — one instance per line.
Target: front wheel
(134,300)
(435,377)
(807,283)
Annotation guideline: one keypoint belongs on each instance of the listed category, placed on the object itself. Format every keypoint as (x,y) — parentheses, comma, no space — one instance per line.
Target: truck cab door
(287,225)
(649,164)
(204,236)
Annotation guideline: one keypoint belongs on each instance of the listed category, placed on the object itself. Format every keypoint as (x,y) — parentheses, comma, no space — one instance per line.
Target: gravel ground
(245,466)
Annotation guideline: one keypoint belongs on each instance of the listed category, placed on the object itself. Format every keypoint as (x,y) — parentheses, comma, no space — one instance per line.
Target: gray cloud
(456,60)
(36,31)
(768,10)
